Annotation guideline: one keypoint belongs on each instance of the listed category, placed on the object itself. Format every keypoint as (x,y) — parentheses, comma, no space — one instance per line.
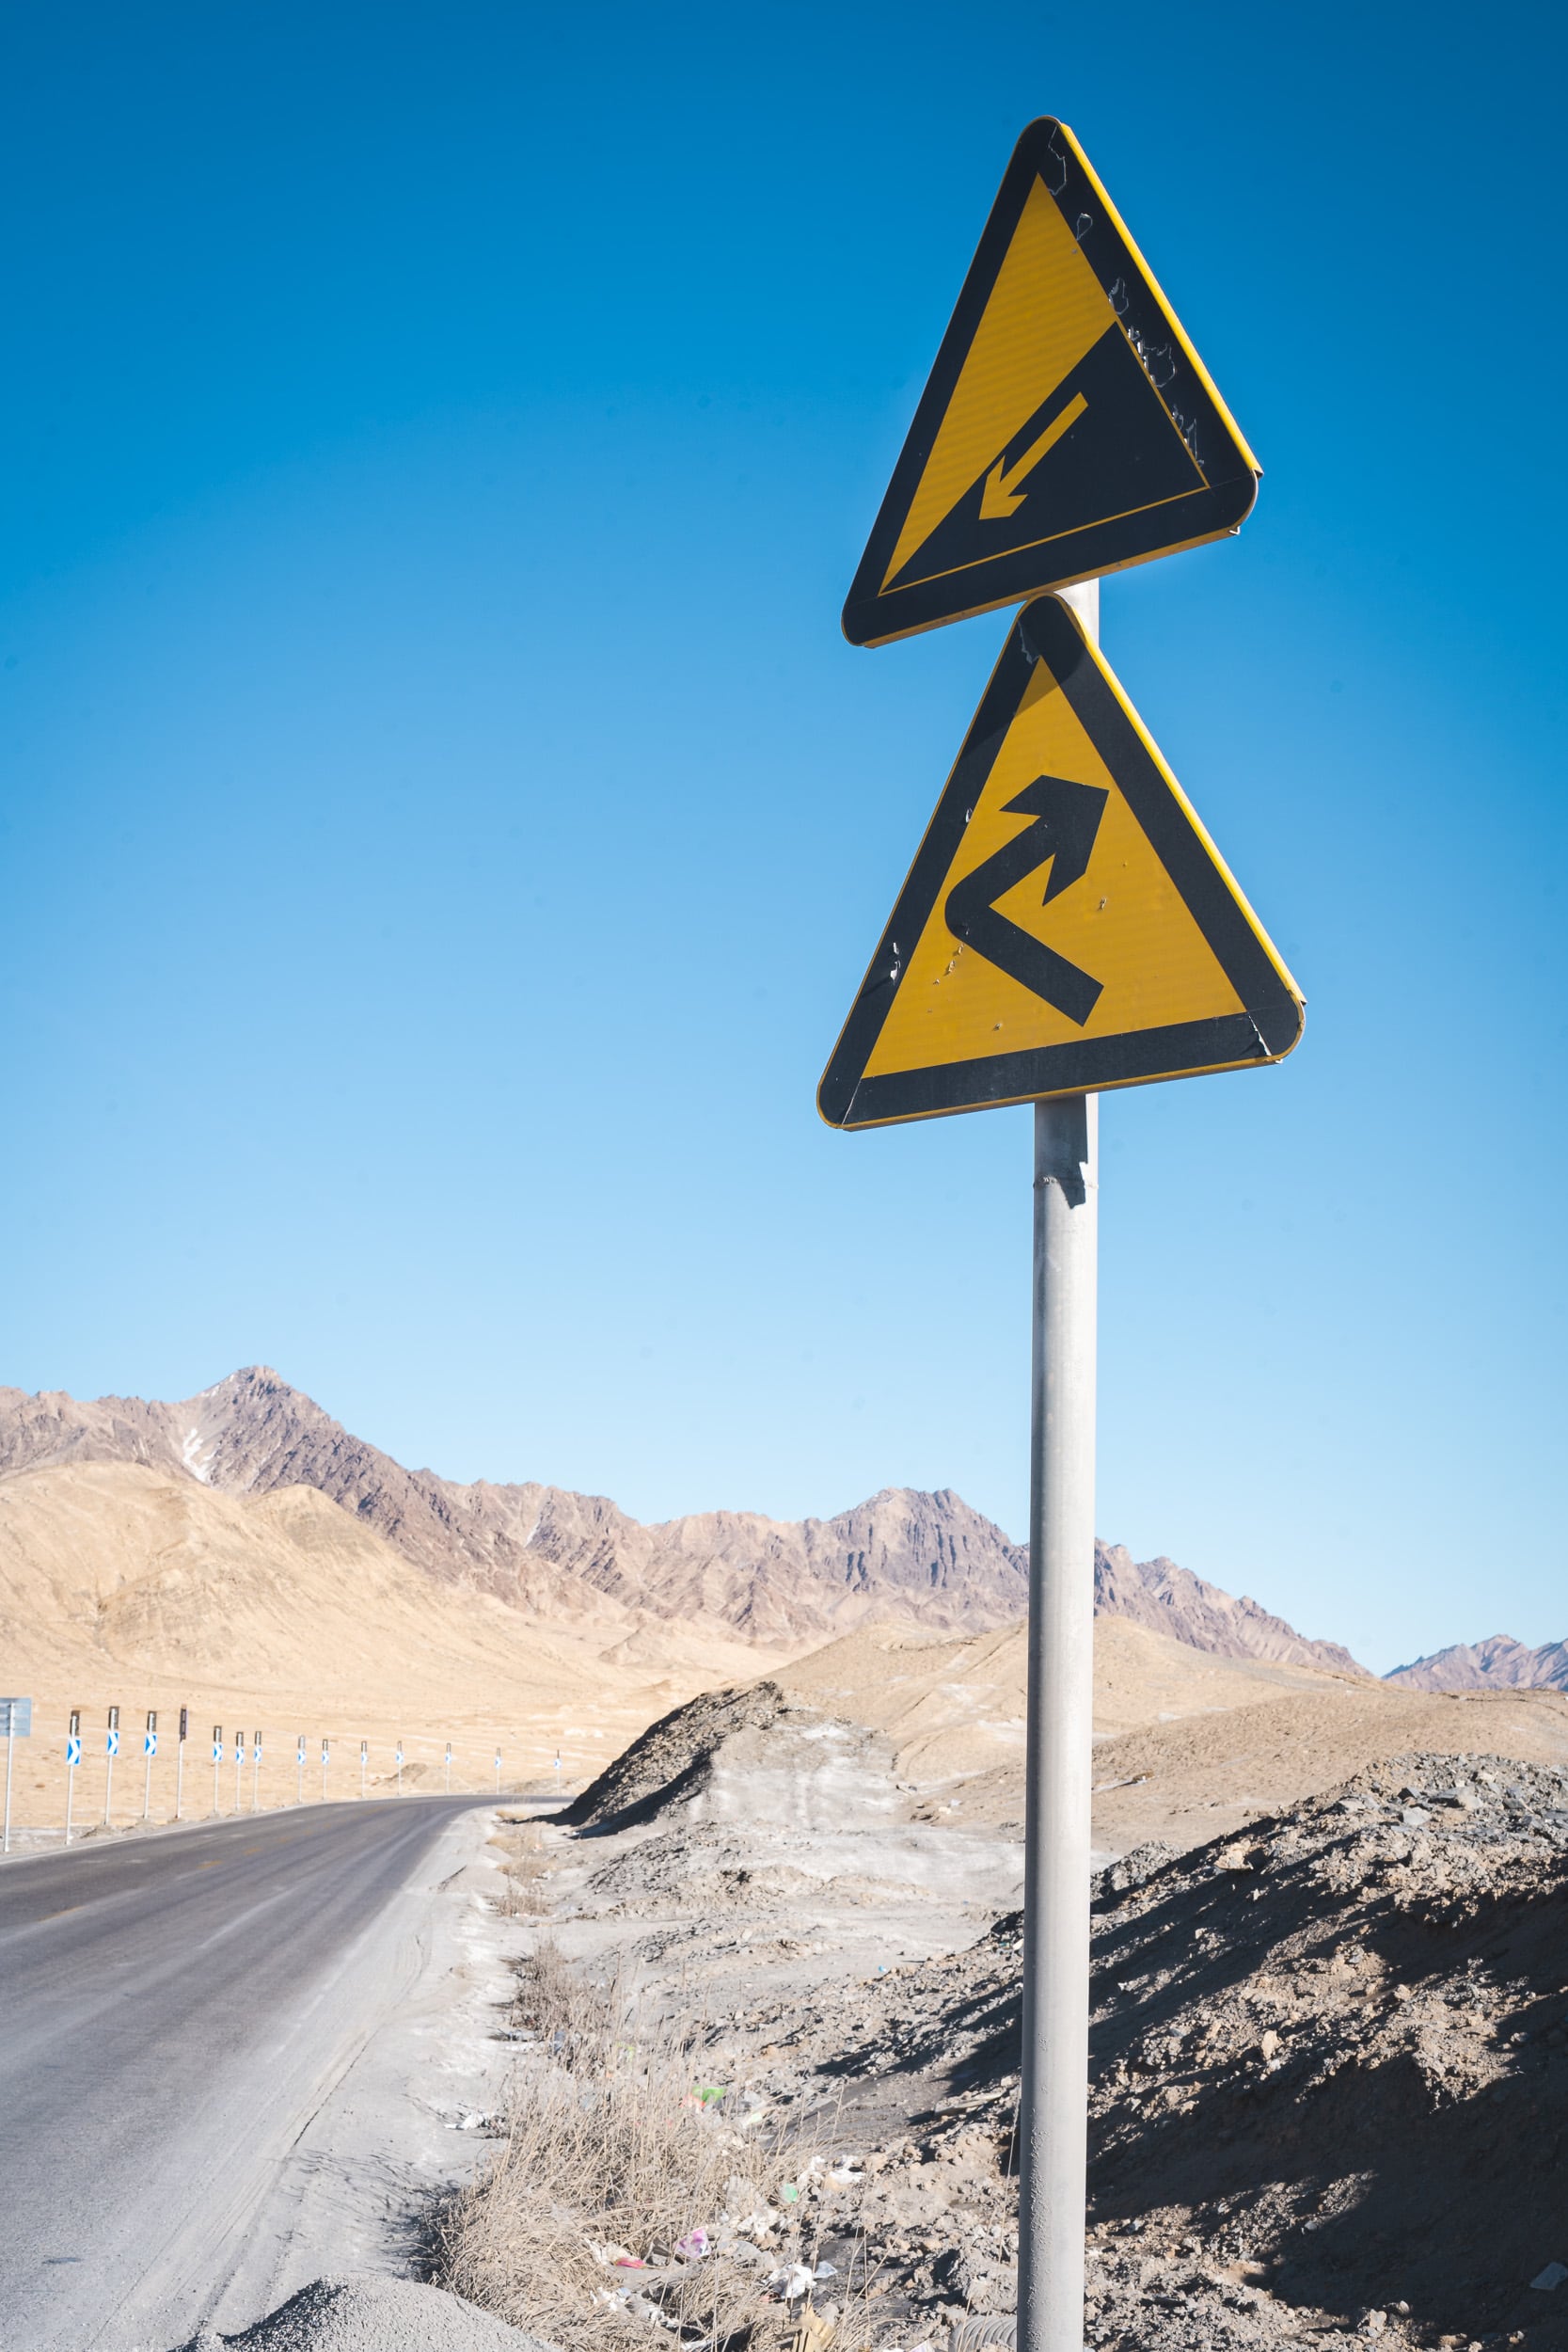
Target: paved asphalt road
(167,2004)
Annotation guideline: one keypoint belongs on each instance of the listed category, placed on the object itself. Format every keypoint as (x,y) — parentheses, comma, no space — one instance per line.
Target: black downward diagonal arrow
(1067,819)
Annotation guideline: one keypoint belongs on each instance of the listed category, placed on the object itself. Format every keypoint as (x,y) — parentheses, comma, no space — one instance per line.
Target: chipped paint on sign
(1068,428)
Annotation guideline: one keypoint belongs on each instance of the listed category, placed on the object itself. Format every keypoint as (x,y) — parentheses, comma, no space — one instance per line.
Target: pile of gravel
(1330,2084)
(369,2315)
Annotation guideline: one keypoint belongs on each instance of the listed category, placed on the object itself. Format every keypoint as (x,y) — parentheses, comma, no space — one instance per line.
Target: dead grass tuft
(605,2152)
(523,1870)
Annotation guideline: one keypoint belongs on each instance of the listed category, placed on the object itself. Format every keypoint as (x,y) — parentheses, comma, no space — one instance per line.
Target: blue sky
(445,829)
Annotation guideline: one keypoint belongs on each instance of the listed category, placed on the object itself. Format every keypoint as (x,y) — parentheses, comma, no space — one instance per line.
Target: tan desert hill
(927,1559)
(1186,1781)
(955,1707)
(1186,1744)
(121,1583)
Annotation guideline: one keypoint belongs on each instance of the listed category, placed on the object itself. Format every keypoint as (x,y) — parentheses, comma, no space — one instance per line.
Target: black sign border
(1049,151)
(1271,1023)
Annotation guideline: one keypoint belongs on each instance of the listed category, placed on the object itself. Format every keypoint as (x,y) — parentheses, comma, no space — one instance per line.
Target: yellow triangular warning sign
(1068,428)
(1067,925)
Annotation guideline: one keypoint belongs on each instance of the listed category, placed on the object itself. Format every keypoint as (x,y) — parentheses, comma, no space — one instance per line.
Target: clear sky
(445,829)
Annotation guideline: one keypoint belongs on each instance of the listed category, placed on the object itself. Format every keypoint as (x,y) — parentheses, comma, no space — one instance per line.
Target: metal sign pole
(73,1757)
(11,1751)
(364,1753)
(449,1768)
(1053,2101)
(256,1773)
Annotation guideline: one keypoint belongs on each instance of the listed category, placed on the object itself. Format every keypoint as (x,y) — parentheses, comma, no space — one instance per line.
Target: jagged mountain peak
(1171,1599)
(1499,1662)
(928,1559)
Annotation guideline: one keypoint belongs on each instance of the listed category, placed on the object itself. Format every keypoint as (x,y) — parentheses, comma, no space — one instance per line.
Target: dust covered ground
(1330,2044)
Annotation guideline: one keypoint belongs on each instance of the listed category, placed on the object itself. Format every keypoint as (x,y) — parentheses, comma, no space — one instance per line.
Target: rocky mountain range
(557,1556)
(1498,1663)
(1172,1600)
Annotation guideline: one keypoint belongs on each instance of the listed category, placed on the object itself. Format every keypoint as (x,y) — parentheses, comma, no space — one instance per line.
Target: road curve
(170,2007)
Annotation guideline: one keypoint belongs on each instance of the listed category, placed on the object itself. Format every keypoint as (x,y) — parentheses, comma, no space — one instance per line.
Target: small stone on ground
(369,2315)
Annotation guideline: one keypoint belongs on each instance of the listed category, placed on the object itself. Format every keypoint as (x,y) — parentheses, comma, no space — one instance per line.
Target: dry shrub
(603,2147)
(523,1870)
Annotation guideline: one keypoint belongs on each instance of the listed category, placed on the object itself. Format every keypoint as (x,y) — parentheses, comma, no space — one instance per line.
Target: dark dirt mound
(655,1770)
(1330,2064)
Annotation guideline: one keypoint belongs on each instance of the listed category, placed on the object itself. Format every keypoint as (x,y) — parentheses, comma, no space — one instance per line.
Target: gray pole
(1053,2101)
(11,1751)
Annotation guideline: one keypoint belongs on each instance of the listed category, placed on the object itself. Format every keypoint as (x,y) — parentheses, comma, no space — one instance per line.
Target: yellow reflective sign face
(1068,427)
(1067,925)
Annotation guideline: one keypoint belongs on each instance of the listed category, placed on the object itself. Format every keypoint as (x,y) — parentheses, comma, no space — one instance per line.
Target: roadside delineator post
(256,1772)
(217,1762)
(299,1769)
(148,1749)
(400,1767)
(364,1755)
(449,1768)
(180,1761)
(498,1771)
(111,1749)
(73,1757)
(16,1721)
(324,1754)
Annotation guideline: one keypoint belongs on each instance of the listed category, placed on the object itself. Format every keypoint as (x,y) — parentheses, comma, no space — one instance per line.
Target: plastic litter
(1549,2279)
(791,2282)
(693,2245)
